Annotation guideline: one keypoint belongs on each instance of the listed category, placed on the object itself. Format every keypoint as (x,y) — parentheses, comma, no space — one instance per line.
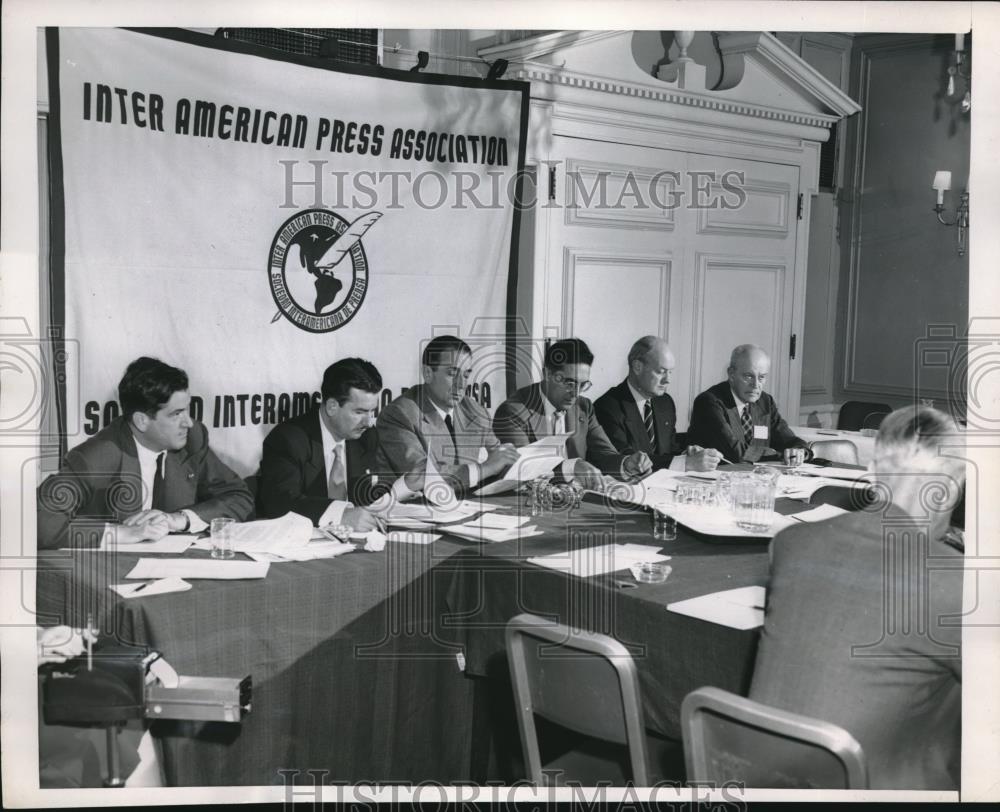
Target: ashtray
(651,572)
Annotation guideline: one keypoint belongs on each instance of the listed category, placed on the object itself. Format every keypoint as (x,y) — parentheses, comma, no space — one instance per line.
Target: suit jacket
(100,481)
(715,423)
(293,471)
(521,420)
(826,650)
(620,418)
(410,429)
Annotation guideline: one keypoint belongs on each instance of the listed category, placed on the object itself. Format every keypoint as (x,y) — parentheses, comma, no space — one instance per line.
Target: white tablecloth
(865,445)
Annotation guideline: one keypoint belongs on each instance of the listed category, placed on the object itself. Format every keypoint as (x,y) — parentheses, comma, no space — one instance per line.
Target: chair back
(835,450)
(731,738)
(584,681)
(855,415)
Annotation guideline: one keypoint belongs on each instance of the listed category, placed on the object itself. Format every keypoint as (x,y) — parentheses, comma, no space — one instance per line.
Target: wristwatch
(187,521)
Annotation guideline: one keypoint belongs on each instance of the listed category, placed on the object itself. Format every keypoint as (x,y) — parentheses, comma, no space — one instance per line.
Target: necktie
(747,427)
(557,421)
(337,486)
(647,418)
(159,485)
(451,430)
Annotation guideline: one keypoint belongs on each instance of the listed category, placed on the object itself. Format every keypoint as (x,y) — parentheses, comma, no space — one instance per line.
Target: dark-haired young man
(437,420)
(322,464)
(555,405)
(151,470)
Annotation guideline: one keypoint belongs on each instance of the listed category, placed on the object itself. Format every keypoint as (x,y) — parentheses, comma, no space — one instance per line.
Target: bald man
(739,419)
(639,415)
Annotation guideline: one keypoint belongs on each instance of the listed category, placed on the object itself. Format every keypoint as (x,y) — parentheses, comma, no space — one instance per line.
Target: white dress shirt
(474,471)
(566,468)
(147,470)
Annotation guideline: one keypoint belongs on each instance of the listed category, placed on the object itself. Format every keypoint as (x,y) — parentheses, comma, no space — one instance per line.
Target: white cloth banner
(251,220)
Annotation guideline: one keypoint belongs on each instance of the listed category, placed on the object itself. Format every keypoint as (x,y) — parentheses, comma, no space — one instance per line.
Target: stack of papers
(412,537)
(290,532)
(590,561)
(312,550)
(173,544)
(833,472)
(474,531)
(741,608)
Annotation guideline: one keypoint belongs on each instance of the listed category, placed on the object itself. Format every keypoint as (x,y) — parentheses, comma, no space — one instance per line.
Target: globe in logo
(318,270)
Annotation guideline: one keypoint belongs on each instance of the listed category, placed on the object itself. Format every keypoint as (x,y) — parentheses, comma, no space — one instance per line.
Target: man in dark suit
(555,405)
(862,626)
(152,470)
(322,463)
(739,419)
(436,420)
(639,415)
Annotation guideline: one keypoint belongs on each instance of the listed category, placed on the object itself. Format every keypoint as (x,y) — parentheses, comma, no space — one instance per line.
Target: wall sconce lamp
(941,184)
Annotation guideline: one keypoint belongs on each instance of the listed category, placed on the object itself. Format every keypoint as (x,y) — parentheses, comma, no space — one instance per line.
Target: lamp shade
(942,181)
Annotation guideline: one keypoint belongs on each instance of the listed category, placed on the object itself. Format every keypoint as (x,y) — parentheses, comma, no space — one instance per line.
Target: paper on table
(590,561)
(552,445)
(741,608)
(197,568)
(272,535)
(410,537)
(819,513)
(833,472)
(497,521)
(474,532)
(313,550)
(718,521)
(174,543)
(160,587)
(164,672)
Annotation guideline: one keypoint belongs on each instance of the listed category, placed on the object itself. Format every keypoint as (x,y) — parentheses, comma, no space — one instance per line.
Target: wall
(900,272)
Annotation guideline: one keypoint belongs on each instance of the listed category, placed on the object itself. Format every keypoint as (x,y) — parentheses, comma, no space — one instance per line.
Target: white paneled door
(699,249)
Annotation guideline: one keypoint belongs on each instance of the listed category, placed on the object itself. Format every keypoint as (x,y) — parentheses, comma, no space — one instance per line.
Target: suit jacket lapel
(314,471)
(131,498)
(635,422)
(439,442)
(664,421)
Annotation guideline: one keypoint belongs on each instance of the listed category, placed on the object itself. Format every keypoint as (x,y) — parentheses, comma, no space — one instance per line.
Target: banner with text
(252,219)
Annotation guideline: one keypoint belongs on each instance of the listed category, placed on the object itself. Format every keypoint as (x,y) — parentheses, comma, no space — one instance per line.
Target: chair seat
(592,760)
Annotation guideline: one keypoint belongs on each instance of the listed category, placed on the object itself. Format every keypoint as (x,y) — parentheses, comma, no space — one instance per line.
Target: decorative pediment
(761,77)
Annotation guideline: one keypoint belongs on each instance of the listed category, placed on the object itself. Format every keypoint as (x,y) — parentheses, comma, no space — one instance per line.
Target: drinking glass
(753,502)
(222,538)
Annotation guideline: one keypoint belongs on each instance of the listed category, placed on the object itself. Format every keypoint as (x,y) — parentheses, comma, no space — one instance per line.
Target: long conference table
(389,667)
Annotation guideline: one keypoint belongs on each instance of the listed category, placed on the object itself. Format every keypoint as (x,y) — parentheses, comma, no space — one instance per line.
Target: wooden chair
(835,450)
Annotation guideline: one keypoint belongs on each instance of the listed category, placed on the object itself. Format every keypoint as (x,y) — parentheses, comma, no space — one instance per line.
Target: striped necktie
(647,418)
(747,420)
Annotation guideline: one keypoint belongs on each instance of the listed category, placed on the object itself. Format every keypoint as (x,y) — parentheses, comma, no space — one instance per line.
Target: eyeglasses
(571,383)
(749,377)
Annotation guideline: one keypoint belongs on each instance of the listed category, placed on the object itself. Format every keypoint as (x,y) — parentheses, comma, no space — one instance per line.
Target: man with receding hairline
(739,419)
(639,415)
(863,621)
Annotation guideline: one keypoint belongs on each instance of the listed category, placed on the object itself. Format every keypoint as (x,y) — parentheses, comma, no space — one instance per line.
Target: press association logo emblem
(318,269)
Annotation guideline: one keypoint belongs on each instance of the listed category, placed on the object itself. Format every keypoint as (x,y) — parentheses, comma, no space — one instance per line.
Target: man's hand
(702,459)
(362,520)
(794,457)
(588,476)
(57,644)
(499,460)
(175,522)
(637,464)
(151,529)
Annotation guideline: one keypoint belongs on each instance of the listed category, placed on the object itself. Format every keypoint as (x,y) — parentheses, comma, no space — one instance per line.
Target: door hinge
(552,183)
(791,346)
(801,203)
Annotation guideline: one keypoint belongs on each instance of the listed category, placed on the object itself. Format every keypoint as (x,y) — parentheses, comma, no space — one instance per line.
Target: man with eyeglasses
(555,406)
(639,415)
(739,419)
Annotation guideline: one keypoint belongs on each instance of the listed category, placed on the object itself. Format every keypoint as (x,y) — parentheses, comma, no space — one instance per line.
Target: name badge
(760,432)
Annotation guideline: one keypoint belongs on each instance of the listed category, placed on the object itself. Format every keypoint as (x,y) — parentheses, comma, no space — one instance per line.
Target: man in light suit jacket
(555,406)
(322,464)
(152,470)
(437,420)
(639,415)
(739,419)
(862,626)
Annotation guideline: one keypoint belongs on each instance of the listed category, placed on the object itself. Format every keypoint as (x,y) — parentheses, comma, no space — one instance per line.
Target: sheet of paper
(551,446)
(833,472)
(819,513)
(475,533)
(146,568)
(272,535)
(411,537)
(741,608)
(158,587)
(524,470)
(718,521)
(172,544)
(497,521)
(313,550)
(590,561)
